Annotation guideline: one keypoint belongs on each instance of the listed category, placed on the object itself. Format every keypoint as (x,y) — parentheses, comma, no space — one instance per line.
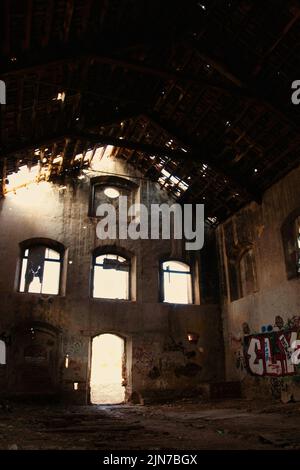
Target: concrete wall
(274,295)
(159,357)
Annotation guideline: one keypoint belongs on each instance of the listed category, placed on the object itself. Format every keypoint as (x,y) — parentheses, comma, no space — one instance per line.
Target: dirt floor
(186,424)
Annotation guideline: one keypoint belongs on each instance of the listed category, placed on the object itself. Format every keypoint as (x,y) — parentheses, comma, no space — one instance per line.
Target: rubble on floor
(185,424)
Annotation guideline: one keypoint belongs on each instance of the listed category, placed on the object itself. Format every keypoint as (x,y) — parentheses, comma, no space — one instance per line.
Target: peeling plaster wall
(159,357)
(275,295)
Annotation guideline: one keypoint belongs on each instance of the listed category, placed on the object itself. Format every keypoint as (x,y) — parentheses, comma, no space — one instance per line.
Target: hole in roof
(24,176)
(57,159)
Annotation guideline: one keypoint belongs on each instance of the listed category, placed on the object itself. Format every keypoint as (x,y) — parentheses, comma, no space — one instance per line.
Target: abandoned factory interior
(150,224)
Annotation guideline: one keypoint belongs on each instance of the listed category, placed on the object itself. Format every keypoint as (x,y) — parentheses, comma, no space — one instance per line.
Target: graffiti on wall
(272,353)
(73,345)
(143,358)
(277,386)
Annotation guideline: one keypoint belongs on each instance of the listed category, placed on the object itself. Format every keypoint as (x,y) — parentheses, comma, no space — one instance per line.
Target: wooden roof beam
(48,23)
(250,90)
(86,15)
(192,146)
(295,18)
(68,19)
(193,156)
(28,21)
(139,67)
(6,20)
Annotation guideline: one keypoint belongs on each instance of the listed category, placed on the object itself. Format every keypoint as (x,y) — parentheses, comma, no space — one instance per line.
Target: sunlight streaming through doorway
(106,371)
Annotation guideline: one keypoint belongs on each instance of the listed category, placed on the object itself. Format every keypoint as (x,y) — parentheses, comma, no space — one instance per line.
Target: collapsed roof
(196,95)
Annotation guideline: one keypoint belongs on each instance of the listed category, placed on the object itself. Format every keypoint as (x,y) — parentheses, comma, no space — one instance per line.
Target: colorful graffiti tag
(272,354)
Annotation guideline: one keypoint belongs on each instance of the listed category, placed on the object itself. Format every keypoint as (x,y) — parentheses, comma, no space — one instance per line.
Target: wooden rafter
(68,19)
(139,67)
(6,43)
(28,21)
(202,82)
(193,157)
(48,22)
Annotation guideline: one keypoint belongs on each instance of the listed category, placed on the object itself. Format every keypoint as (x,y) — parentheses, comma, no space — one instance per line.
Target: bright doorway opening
(107,370)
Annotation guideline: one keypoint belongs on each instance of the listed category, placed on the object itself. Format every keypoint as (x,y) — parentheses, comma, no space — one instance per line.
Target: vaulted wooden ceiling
(195,94)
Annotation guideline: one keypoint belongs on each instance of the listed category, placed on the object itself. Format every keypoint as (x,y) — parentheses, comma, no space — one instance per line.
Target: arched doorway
(107,369)
(34,353)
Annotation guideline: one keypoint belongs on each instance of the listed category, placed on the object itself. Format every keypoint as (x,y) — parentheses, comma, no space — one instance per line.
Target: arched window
(2,352)
(111,277)
(40,269)
(291,243)
(176,282)
(108,189)
(247,273)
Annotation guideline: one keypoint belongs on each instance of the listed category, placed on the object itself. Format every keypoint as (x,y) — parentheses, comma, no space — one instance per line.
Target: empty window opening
(177,282)
(290,231)
(110,194)
(247,273)
(108,189)
(107,370)
(111,277)
(40,271)
(2,352)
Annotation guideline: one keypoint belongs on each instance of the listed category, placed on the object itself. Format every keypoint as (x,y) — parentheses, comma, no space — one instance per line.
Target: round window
(112,193)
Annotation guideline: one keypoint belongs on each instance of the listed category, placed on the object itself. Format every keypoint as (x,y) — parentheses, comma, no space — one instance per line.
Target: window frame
(104,182)
(290,244)
(161,280)
(241,287)
(47,244)
(117,253)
